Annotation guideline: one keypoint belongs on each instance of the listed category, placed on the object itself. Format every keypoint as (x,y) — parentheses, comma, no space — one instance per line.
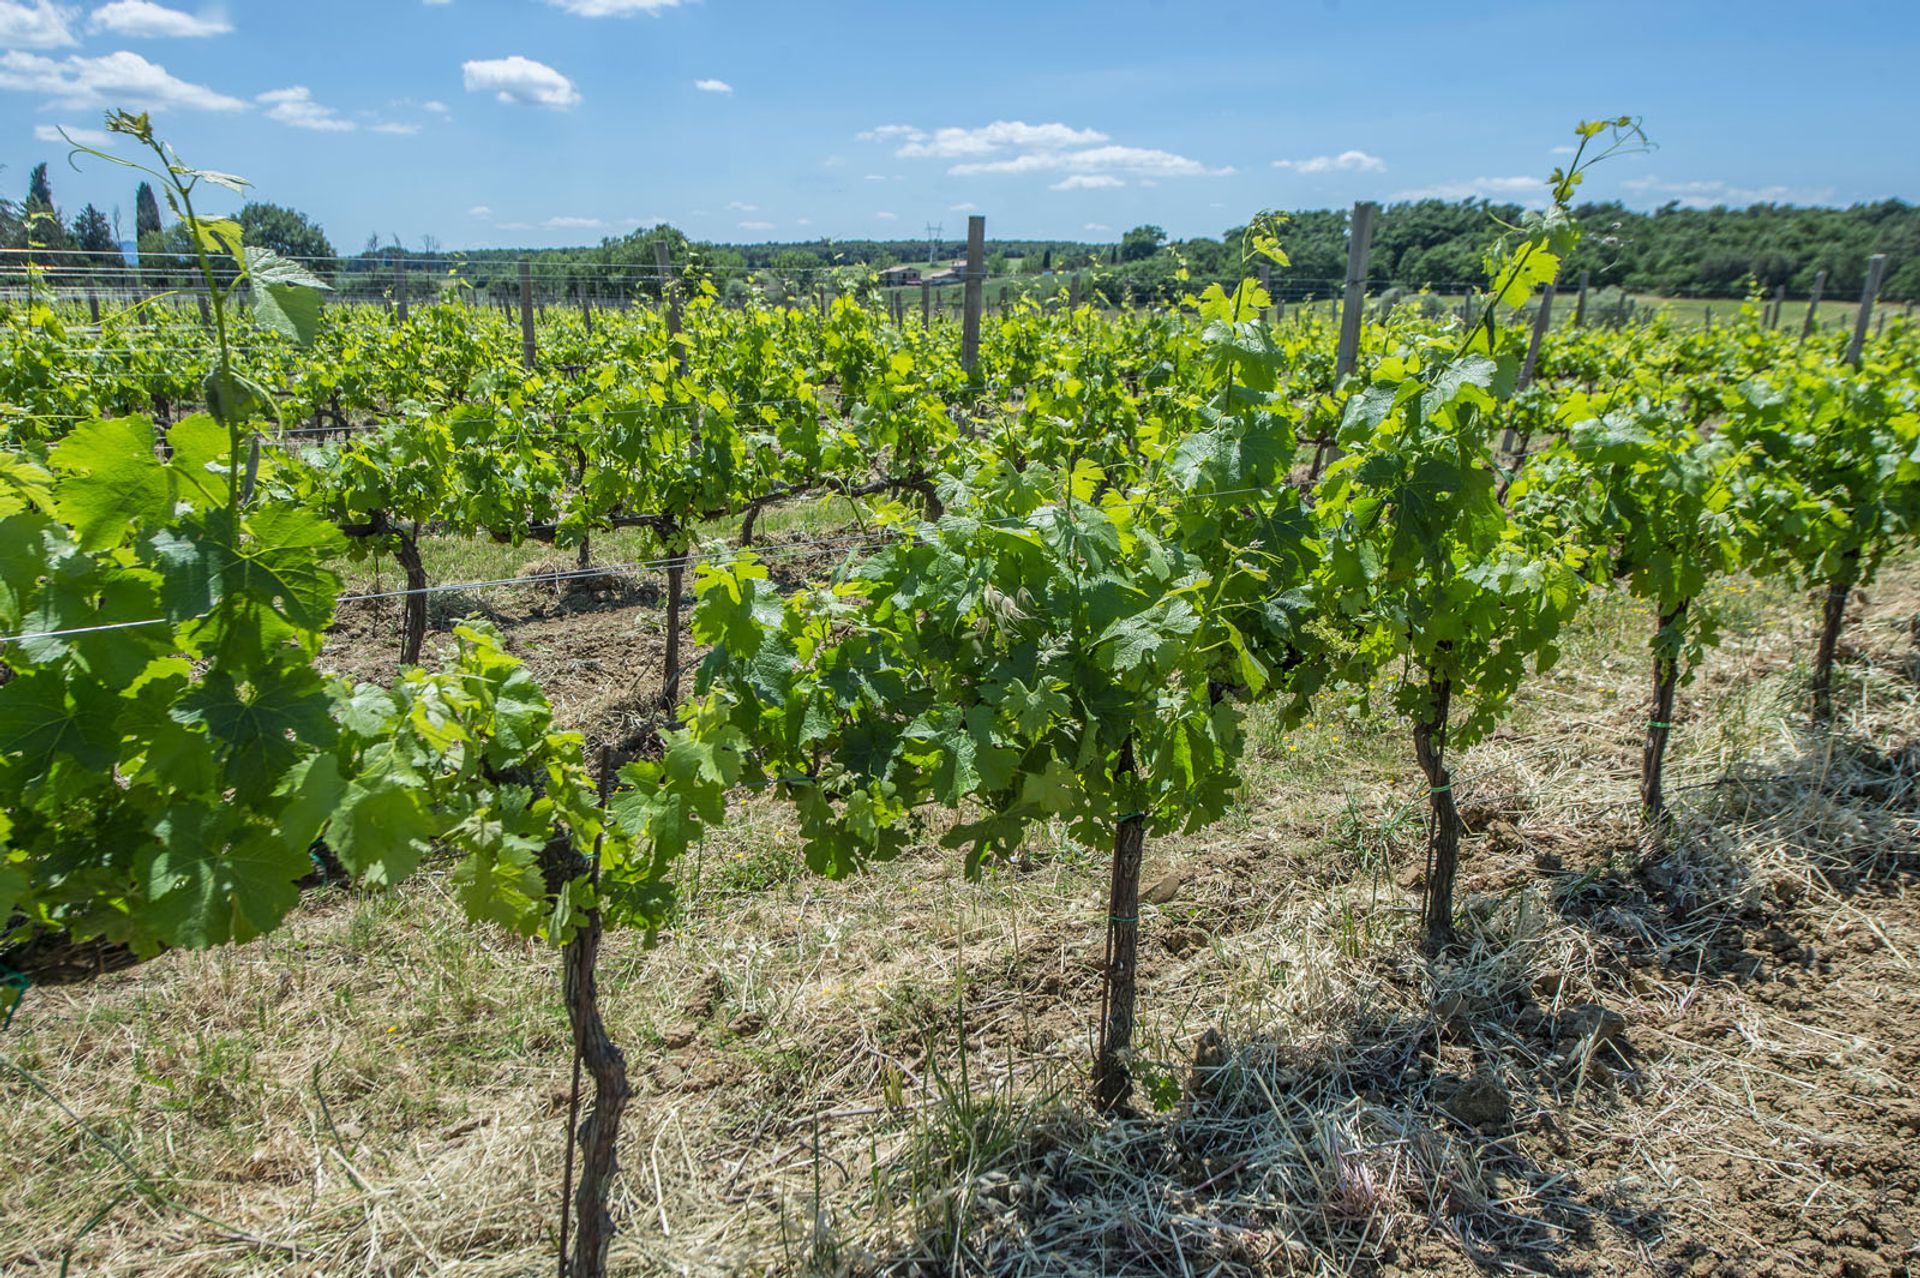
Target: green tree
(92,233)
(286,231)
(146,211)
(1141,242)
(44,228)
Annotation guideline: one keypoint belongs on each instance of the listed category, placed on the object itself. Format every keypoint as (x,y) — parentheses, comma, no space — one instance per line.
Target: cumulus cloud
(143,19)
(888,132)
(436,106)
(1702,194)
(1345,162)
(118,79)
(397,129)
(566,223)
(1133,160)
(1096,226)
(1523,190)
(85,137)
(1014,146)
(295,107)
(756,226)
(38,25)
(1001,135)
(741,206)
(886,217)
(964,206)
(1088,182)
(520,80)
(479,210)
(713,86)
(613,8)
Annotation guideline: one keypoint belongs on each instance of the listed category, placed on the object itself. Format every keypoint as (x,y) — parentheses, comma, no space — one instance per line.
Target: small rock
(680,1035)
(747,1024)
(1478,1101)
(1590,1022)
(1547,984)
(1165,888)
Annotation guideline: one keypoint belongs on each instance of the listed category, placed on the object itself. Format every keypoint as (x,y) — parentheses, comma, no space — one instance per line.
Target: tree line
(1671,251)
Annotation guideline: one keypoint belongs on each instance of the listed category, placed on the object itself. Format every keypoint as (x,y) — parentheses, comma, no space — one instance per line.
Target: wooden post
(1876,271)
(671,296)
(1511,442)
(926,305)
(586,312)
(1542,321)
(526,315)
(93,307)
(976,280)
(1580,304)
(1353,305)
(400,287)
(1073,291)
(1813,304)
(1779,305)
(1709,319)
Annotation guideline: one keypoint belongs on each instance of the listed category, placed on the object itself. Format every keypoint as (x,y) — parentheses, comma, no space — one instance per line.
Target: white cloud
(643,221)
(873,177)
(143,19)
(39,25)
(612,8)
(964,206)
(296,108)
(1345,162)
(514,226)
(1133,160)
(520,80)
(1525,190)
(1014,146)
(85,137)
(565,223)
(741,206)
(479,210)
(803,221)
(946,144)
(887,217)
(1563,150)
(397,129)
(1096,226)
(118,79)
(436,106)
(713,86)
(756,226)
(1700,194)
(887,132)
(435,4)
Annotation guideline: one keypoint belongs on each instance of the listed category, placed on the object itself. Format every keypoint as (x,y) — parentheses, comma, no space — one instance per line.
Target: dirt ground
(1704,1061)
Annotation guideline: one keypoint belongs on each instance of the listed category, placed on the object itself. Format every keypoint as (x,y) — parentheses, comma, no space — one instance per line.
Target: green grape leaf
(109,480)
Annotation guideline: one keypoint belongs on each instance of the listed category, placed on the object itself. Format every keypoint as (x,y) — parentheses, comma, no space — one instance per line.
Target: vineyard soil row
(1704,1065)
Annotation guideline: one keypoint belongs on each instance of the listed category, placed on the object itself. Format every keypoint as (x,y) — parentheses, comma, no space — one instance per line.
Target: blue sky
(488,123)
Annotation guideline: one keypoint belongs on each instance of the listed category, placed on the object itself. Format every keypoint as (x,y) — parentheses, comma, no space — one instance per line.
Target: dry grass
(885,1075)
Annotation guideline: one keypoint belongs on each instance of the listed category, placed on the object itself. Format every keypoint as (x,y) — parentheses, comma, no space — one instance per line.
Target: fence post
(1580,303)
(671,296)
(93,307)
(1876,271)
(526,315)
(586,312)
(1511,443)
(400,287)
(976,283)
(1353,305)
(926,305)
(206,311)
(1779,305)
(1813,304)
